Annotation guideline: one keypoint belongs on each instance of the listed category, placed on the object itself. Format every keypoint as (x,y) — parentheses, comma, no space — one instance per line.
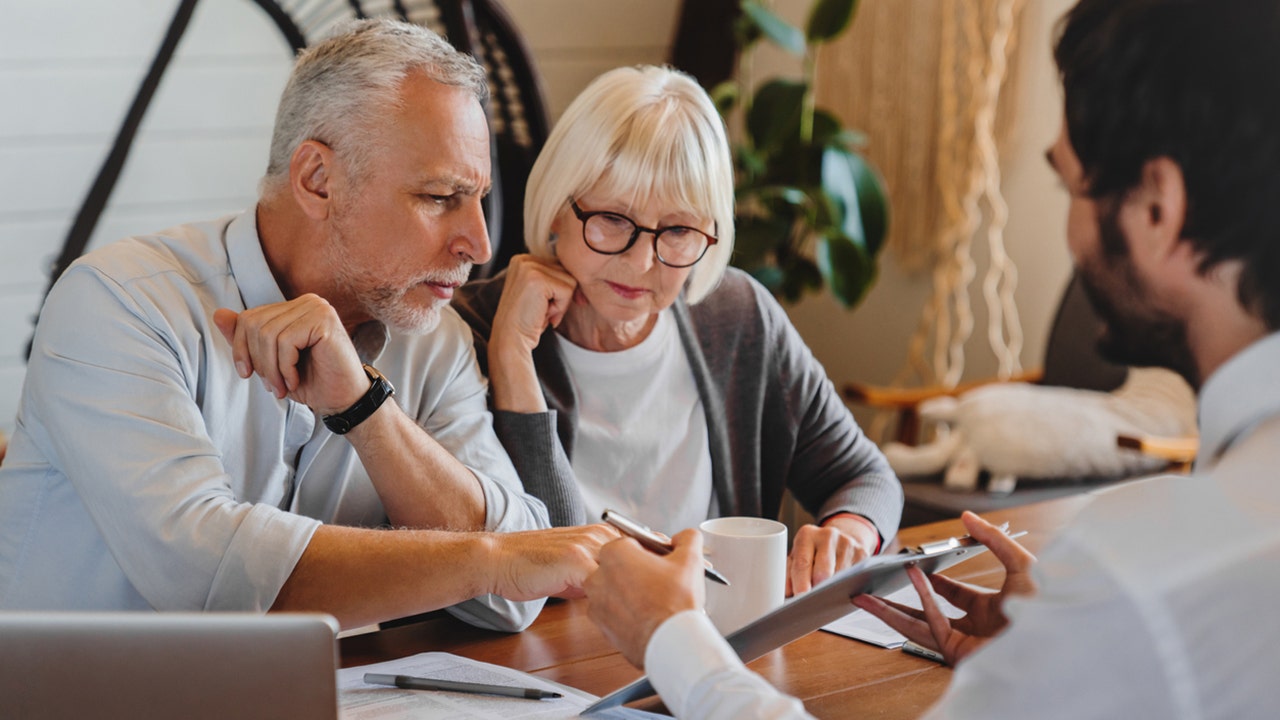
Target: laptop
(56,665)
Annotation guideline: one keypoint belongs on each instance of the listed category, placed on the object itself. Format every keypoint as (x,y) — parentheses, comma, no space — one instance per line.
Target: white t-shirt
(642,445)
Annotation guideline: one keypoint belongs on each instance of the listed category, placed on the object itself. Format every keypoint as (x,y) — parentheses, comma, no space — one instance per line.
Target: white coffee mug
(752,554)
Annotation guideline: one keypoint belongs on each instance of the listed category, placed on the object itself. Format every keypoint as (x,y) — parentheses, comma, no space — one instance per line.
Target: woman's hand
(819,552)
(536,296)
(984,609)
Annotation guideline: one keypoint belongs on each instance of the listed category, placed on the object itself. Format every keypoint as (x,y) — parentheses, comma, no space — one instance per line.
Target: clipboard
(801,615)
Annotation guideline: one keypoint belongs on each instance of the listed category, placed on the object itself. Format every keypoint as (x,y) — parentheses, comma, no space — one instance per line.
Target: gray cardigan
(774,420)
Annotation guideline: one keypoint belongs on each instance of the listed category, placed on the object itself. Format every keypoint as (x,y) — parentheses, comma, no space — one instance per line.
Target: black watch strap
(380,389)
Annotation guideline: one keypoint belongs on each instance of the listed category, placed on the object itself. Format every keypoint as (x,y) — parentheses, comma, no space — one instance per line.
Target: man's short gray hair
(341,88)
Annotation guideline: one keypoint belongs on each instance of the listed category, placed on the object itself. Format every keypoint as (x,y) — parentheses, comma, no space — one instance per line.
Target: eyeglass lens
(678,246)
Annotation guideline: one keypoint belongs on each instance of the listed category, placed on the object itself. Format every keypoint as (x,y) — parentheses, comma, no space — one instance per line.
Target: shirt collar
(1240,394)
(249,264)
(258,284)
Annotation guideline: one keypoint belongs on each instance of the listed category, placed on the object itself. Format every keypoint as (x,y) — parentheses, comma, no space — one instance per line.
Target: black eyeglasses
(610,233)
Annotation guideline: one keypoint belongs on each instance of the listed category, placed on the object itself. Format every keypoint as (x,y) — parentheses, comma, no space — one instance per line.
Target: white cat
(1021,431)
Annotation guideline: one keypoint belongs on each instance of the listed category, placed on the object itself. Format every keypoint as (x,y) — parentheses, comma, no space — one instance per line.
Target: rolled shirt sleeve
(125,443)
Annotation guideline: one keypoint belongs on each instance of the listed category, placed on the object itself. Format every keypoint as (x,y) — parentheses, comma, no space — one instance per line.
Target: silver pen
(654,541)
(409,682)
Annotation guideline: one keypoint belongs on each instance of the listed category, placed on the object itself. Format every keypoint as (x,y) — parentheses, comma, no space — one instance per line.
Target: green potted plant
(811,210)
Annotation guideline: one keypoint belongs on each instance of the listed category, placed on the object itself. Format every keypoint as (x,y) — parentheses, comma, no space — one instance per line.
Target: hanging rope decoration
(929,81)
(968,173)
(1004,331)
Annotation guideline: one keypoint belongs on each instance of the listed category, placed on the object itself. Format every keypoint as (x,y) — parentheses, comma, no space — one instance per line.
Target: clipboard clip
(937,546)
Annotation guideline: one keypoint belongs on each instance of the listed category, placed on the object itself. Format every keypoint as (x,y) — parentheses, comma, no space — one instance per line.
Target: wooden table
(834,676)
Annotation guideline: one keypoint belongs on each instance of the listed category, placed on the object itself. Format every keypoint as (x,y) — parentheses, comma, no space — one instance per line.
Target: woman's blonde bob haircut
(635,134)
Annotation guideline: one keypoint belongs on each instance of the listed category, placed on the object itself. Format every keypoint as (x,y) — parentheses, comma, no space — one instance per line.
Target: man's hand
(634,591)
(984,609)
(300,350)
(820,552)
(540,563)
(535,296)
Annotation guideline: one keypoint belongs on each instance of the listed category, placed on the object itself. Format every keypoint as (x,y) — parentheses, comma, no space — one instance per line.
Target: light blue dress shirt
(144,473)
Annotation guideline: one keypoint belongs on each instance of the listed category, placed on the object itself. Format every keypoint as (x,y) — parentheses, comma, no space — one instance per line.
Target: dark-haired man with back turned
(1156,602)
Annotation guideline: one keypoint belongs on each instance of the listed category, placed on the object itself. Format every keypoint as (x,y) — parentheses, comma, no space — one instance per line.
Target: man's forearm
(363,576)
(420,483)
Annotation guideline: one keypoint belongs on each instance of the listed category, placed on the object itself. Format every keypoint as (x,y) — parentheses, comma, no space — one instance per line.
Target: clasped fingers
(299,348)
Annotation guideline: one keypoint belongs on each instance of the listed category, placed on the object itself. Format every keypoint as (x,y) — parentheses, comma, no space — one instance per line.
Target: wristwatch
(380,389)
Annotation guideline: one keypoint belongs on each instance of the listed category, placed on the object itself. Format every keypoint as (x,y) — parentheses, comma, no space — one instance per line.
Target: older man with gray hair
(150,469)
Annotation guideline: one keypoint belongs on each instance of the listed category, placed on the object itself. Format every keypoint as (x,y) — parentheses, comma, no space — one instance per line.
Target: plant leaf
(746,32)
(829,18)
(725,96)
(847,268)
(786,193)
(756,240)
(857,196)
(782,33)
(770,276)
(826,128)
(849,138)
(751,163)
(801,276)
(775,112)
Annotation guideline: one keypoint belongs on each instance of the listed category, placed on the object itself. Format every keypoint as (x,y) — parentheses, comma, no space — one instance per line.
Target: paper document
(862,625)
(358,700)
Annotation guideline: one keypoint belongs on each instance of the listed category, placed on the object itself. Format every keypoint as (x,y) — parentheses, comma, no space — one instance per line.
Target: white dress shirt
(1156,602)
(146,474)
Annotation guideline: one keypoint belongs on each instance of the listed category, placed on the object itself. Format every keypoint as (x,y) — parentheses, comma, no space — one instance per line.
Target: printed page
(358,700)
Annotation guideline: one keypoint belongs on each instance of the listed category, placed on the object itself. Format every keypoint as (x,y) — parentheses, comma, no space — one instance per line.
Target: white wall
(573,41)
(68,71)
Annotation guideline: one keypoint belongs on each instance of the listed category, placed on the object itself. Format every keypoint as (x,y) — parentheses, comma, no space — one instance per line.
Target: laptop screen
(143,665)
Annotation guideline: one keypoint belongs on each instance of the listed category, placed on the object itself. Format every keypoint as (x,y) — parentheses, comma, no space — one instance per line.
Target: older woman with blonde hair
(631,368)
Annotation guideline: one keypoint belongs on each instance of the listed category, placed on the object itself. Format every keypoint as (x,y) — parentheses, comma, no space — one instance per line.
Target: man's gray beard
(386,304)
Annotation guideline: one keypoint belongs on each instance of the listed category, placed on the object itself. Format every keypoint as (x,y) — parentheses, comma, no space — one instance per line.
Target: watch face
(377,377)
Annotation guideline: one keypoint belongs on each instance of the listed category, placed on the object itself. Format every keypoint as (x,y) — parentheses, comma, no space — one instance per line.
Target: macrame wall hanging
(930,83)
